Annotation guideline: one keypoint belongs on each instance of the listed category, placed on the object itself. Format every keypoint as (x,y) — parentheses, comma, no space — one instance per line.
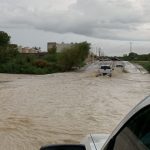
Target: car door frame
(144,103)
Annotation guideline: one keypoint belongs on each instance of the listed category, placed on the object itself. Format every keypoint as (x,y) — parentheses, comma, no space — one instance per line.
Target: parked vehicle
(105,70)
(133,133)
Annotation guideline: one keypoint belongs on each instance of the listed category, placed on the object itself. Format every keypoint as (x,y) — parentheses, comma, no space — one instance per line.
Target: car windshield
(69,68)
(105,67)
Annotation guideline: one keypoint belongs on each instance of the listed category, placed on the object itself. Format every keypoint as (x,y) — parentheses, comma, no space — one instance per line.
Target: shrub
(51,57)
(40,63)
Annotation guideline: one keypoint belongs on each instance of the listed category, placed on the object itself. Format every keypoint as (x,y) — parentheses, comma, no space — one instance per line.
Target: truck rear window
(105,67)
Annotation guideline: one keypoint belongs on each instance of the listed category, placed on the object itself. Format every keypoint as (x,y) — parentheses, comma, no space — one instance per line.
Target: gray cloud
(104,19)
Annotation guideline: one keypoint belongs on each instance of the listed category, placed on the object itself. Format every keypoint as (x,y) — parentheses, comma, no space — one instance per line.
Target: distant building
(59,46)
(28,50)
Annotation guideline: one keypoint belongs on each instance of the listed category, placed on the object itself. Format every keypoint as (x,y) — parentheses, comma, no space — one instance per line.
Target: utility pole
(130,47)
(99,52)
(96,51)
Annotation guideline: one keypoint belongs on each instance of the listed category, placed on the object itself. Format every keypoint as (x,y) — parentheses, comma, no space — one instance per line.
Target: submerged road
(64,107)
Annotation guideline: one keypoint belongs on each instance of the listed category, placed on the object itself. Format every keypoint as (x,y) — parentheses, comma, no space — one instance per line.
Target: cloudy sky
(109,24)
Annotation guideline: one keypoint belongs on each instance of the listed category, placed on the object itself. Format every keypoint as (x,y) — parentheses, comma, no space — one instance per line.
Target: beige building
(28,50)
(59,46)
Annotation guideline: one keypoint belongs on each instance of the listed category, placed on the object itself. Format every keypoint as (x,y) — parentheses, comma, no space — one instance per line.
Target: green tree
(133,56)
(74,56)
(4,38)
(7,50)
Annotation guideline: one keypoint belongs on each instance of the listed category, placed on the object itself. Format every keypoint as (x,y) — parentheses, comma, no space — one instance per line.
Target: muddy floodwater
(64,107)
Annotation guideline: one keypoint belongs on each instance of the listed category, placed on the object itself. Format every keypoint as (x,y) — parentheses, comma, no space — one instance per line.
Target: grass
(145,64)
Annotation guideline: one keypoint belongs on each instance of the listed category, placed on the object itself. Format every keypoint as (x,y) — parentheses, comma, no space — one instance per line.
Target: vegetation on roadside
(136,57)
(74,57)
(11,61)
(145,64)
(143,60)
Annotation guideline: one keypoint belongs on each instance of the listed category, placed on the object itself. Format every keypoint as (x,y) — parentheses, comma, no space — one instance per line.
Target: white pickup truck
(105,70)
(133,133)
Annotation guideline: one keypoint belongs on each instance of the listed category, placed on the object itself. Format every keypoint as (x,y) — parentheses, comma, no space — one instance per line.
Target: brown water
(63,108)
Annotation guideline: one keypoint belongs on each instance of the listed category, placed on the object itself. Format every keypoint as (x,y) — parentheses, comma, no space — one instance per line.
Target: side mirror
(64,147)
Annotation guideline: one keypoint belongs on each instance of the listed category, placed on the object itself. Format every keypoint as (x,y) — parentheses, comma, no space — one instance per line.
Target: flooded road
(64,107)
